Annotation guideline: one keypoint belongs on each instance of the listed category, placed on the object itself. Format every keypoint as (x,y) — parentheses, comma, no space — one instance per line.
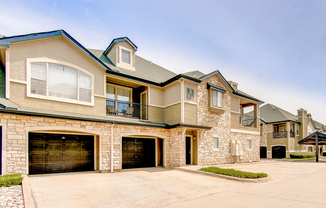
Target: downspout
(182,101)
(112,147)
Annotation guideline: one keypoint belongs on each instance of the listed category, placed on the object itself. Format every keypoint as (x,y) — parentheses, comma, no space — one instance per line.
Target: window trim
(116,91)
(218,143)
(46,97)
(213,108)
(250,144)
(123,64)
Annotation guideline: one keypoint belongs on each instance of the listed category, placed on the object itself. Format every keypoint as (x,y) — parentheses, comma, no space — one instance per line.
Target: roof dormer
(121,52)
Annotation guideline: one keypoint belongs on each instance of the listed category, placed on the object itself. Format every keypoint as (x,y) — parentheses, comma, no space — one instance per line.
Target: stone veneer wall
(221,124)
(263,137)
(17,128)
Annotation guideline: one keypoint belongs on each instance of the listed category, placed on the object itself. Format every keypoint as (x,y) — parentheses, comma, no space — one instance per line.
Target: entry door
(143,107)
(188,150)
(263,152)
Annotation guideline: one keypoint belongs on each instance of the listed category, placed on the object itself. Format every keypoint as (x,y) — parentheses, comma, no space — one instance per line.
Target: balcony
(280,134)
(246,120)
(126,109)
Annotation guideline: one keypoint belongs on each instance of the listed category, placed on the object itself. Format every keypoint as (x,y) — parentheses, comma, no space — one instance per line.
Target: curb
(258,180)
(29,201)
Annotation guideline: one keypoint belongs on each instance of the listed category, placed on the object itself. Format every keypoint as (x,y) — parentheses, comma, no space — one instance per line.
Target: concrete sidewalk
(293,185)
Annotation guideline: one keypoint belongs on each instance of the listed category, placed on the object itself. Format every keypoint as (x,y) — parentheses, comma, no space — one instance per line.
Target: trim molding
(18,81)
(244,131)
(7,70)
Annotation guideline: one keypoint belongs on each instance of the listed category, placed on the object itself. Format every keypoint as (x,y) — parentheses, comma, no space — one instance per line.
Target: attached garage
(57,153)
(141,152)
(279,152)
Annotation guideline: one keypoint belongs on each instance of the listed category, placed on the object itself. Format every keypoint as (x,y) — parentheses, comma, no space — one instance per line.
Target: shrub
(302,155)
(235,173)
(11,180)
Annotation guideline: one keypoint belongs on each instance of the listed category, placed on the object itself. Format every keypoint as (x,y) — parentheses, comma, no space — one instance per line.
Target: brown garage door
(56,153)
(138,152)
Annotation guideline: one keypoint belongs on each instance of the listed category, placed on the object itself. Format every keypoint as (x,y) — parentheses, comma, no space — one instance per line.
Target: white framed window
(215,142)
(119,93)
(297,129)
(59,81)
(217,98)
(248,144)
(126,57)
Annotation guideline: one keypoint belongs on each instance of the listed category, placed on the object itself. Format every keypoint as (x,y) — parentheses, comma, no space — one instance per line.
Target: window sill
(216,109)
(30,95)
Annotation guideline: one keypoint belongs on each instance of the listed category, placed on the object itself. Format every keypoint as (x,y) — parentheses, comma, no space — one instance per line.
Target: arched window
(60,81)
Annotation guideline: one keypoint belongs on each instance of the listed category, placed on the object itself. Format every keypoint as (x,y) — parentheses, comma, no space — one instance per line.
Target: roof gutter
(162,84)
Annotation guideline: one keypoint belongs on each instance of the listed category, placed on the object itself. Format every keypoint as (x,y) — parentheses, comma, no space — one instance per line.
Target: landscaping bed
(302,155)
(11,180)
(234,173)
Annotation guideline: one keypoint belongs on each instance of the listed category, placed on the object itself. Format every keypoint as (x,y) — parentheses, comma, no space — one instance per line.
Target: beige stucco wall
(17,92)
(190,116)
(235,120)
(172,114)
(172,94)
(57,48)
(155,114)
(235,104)
(156,96)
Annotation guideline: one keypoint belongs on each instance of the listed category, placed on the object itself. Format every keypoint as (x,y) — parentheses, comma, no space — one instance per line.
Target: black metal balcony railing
(126,109)
(280,134)
(246,120)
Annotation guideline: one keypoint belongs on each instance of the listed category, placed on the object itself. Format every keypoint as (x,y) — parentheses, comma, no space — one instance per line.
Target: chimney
(302,117)
(234,85)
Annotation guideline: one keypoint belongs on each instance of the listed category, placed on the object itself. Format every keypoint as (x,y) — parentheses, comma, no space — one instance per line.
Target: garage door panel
(138,152)
(40,168)
(53,153)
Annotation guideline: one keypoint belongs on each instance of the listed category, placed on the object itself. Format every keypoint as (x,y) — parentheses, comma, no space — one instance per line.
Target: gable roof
(272,114)
(195,74)
(117,40)
(33,36)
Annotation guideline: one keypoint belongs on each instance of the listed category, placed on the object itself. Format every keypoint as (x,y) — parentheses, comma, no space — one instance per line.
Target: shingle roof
(32,36)
(195,74)
(117,40)
(243,94)
(144,69)
(270,114)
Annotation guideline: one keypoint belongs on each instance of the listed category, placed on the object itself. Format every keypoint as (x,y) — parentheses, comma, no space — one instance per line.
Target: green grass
(234,173)
(295,159)
(11,180)
(302,155)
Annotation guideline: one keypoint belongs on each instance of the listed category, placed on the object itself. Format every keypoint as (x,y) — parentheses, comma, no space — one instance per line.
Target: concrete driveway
(293,184)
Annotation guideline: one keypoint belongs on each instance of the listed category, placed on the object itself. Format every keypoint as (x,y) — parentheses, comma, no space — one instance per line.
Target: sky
(274,49)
